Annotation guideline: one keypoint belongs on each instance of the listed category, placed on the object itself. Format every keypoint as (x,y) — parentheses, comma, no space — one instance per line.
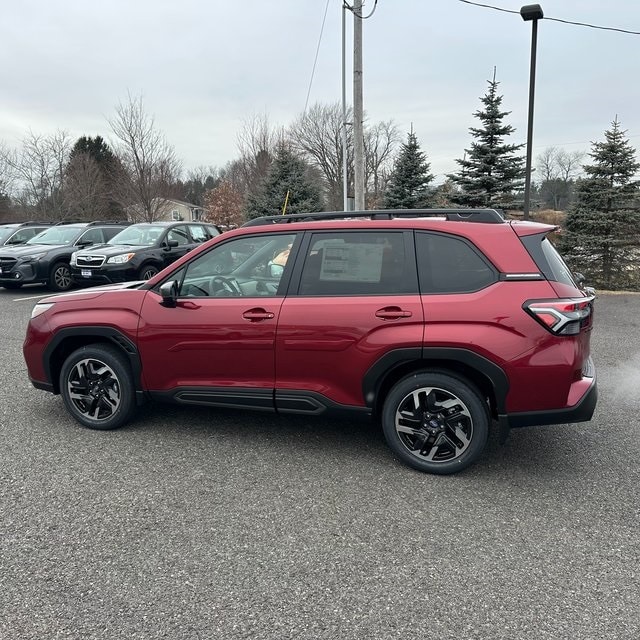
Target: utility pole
(358,133)
(345,178)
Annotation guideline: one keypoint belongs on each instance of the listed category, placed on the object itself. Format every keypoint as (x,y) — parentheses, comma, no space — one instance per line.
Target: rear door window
(198,233)
(343,263)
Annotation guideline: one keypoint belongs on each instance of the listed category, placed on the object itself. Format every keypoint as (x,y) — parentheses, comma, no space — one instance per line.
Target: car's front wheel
(97,387)
(60,277)
(435,422)
(147,271)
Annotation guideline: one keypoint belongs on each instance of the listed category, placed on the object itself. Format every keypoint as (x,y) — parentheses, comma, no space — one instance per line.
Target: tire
(97,387)
(12,285)
(435,422)
(60,277)
(147,271)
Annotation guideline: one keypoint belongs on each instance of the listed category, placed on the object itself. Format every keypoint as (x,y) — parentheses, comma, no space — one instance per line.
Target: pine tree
(491,172)
(287,182)
(90,178)
(409,181)
(602,231)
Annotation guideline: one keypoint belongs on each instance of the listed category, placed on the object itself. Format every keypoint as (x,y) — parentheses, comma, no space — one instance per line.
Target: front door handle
(257,314)
(392,313)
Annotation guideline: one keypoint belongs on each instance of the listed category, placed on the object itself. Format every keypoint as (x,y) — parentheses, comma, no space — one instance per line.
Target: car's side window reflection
(245,267)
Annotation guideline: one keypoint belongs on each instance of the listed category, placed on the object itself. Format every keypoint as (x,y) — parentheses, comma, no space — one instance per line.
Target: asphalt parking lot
(199,523)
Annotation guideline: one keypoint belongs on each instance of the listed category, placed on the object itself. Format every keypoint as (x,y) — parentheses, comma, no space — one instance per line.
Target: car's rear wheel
(60,277)
(97,387)
(147,271)
(435,422)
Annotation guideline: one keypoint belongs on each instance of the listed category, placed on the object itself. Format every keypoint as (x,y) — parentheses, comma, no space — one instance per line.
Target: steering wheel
(229,285)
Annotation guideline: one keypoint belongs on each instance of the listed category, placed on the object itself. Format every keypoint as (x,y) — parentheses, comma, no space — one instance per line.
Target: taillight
(565,317)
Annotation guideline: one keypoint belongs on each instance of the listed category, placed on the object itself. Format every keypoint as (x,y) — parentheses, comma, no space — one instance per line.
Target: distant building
(170,211)
(177,210)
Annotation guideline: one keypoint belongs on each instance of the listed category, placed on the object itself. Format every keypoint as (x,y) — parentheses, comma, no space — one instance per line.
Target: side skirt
(289,401)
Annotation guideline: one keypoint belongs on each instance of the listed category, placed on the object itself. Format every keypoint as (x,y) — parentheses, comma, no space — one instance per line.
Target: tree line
(299,169)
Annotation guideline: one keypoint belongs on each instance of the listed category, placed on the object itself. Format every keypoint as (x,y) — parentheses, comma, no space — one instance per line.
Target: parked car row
(90,253)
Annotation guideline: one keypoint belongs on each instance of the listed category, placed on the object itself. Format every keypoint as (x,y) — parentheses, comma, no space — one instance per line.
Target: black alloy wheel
(97,387)
(60,277)
(435,422)
(147,271)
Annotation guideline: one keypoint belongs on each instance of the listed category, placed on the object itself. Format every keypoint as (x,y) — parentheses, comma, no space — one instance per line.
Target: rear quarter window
(548,260)
(449,264)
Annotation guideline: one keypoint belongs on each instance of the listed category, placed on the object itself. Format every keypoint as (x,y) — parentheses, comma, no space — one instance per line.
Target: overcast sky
(203,67)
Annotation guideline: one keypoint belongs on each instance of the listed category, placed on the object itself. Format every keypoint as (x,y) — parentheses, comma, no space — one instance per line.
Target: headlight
(34,257)
(72,262)
(40,308)
(124,257)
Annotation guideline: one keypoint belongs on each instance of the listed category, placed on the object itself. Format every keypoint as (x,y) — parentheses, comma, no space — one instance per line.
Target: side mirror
(276,270)
(169,244)
(169,293)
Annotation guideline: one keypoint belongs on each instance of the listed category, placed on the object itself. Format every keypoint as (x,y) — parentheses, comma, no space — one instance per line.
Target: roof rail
(493,216)
(26,222)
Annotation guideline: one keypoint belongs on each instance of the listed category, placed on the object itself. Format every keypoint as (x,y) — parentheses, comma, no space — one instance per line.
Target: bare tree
(36,172)
(570,164)
(558,170)
(380,142)
(317,135)
(150,166)
(258,142)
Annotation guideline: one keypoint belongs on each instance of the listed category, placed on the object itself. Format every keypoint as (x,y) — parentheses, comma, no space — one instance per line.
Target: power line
(579,24)
(350,8)
(315,61)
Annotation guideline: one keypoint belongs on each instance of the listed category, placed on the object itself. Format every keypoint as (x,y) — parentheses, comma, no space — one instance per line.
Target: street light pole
(534,13)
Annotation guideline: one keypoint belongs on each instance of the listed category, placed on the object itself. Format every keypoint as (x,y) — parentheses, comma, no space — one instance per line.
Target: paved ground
(195,524)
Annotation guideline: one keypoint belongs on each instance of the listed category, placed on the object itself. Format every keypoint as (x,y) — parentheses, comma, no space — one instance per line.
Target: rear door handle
(392,313)
(255,315)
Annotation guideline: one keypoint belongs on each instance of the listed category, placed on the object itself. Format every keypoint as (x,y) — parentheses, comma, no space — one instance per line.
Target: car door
(179,235)
(217,344)
(356,300)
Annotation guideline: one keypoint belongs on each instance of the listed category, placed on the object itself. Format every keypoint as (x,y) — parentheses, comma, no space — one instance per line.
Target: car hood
(112,249)
(93,292)
(30,249)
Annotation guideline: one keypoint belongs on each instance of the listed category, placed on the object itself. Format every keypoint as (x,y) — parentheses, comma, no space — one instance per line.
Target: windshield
(5,232)
(141,235)
(56,235)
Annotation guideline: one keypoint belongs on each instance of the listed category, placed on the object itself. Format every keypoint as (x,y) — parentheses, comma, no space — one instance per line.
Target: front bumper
(21,273)
(106,274)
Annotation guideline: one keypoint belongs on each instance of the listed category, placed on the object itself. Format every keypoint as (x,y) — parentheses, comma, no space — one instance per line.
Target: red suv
(436,322)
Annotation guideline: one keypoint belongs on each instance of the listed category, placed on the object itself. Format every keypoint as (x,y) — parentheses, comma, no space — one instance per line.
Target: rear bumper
(584,391)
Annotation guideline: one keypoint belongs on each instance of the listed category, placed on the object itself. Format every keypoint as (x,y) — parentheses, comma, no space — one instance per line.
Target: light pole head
(531,12)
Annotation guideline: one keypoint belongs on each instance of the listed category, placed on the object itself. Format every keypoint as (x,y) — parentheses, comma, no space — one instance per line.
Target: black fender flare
(396,358)
(107,334)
